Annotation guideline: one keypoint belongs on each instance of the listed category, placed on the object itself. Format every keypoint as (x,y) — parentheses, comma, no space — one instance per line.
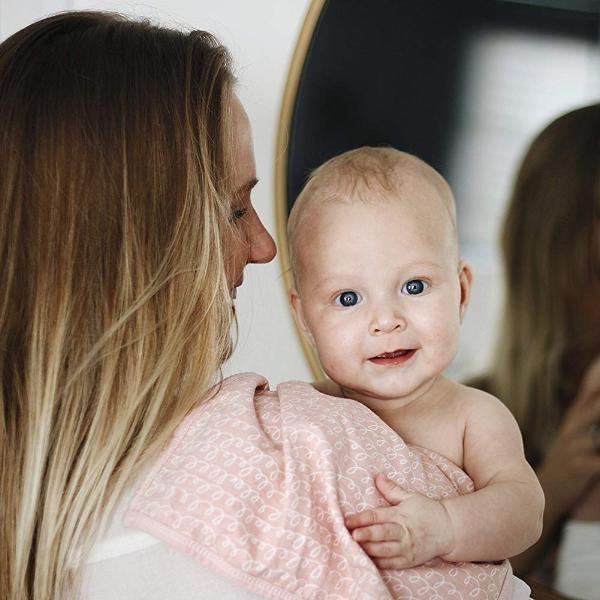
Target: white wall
(15,14)
(261,35)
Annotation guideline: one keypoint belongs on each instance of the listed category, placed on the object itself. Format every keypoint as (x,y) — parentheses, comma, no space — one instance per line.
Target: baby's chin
(376,398)
(390,395)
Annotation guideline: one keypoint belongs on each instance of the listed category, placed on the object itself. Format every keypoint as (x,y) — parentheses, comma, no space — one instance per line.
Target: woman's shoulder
(249,383)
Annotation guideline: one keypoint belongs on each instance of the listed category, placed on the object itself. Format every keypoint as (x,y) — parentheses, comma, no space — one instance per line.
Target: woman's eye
(238,214)
(414,287)
(348,298)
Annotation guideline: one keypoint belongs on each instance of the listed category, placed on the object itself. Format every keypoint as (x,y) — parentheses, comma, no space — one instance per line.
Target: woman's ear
(465,277)
(296,304)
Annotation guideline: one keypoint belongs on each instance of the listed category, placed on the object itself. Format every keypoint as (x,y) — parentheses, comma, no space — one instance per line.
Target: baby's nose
(387,319)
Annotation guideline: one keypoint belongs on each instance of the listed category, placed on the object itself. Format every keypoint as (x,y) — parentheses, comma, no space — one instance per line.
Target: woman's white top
(131,565)
(578,564)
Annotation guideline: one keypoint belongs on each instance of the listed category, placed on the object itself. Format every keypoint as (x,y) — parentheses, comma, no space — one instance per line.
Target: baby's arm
(503,516)
(499,520)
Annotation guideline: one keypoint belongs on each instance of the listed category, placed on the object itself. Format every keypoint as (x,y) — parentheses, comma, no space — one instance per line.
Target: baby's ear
(296,304)
(465,277)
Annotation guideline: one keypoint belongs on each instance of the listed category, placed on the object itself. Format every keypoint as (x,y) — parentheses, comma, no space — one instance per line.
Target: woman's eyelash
(238,214)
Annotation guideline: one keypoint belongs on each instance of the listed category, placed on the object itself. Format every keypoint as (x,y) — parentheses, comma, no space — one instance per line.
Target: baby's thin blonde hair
(114,304)
(364,174)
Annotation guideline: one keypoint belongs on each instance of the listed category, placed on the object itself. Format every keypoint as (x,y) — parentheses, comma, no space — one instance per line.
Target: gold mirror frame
(281,161)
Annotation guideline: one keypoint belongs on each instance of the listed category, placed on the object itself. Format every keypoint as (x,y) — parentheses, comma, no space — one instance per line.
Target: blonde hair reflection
(552,274)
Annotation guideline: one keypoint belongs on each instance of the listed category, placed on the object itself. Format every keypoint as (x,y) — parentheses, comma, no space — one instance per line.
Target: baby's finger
(380,532)
(384,514)
(391,491)
(382,549)
(397,562)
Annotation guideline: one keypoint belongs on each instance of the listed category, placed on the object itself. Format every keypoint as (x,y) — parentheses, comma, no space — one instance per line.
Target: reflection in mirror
(464,85)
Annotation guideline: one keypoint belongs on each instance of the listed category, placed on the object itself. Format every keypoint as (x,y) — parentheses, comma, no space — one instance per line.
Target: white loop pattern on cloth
(255,484)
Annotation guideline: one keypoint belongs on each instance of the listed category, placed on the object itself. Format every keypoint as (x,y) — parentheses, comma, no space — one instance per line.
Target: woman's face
(254,244)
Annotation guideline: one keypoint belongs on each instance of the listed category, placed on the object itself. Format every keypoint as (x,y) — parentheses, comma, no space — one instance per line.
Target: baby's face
(381,292)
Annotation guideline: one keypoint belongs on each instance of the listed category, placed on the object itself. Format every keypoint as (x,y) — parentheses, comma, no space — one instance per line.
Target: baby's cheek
(444,336)
(335,366)
(337,353)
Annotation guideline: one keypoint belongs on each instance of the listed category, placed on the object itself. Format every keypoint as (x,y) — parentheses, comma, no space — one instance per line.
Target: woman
(126,223)
(547,365)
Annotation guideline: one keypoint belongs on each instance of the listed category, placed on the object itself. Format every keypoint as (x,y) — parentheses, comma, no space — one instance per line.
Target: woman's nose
(385,319)
(262,246)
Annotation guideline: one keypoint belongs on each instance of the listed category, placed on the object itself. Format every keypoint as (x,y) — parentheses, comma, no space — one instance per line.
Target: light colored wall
(261,35)
(15,14)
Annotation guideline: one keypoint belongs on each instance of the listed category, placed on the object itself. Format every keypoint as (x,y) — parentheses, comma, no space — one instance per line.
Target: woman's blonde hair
(551,260)
(115,311)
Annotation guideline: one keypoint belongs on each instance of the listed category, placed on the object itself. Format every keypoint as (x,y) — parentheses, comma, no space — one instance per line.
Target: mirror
(464,85)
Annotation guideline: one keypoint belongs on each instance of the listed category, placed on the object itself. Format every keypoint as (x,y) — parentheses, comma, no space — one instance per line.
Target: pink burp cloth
(255,484)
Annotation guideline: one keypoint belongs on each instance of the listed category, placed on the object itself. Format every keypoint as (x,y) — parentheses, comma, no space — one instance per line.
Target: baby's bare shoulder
(478,406)
(488,422)
(471,398)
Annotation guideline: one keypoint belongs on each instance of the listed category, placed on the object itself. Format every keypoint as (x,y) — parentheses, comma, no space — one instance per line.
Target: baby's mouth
(395,357)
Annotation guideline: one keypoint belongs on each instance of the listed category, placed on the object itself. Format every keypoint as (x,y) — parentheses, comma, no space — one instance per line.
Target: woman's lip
(397,357)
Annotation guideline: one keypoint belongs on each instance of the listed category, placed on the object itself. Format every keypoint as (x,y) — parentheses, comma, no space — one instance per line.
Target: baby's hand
(412,531)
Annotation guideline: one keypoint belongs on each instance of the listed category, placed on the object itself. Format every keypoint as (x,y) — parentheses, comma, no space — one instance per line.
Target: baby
(380,292)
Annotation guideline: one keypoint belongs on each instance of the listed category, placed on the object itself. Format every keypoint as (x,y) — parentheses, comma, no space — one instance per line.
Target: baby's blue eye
(348,298)
(414,287)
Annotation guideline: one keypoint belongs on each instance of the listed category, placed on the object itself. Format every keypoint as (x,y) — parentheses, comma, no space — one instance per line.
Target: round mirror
(464,85)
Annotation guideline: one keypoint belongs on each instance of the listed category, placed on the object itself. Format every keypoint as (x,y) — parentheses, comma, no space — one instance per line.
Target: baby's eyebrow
(415,265)
(422,263)
(334,279)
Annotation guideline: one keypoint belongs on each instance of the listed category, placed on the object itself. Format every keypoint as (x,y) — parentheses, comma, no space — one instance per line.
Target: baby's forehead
(344,240)
(374,172)
(416,192)
(381,177)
